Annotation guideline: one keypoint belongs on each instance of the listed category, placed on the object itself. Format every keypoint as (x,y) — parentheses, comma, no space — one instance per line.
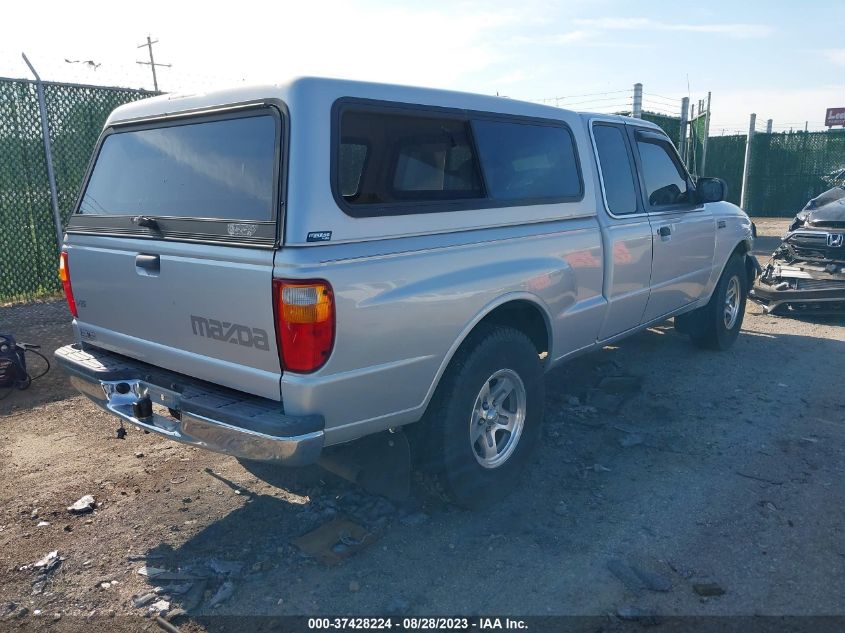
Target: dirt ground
(699,484)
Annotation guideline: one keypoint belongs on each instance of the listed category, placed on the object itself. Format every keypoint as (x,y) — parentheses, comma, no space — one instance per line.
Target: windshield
(212,169)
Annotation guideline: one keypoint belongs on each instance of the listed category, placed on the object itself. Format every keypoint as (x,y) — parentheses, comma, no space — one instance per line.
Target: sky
(782,60)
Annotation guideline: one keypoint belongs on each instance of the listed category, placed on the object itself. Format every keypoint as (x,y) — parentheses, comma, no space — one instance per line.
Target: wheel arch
(524,311)
(742,248)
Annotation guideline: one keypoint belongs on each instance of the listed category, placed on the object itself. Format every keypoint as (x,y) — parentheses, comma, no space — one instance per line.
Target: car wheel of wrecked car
(717,325)
(485,416)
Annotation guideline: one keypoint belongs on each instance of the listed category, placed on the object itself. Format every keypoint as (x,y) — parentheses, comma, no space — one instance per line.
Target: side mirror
(711,189)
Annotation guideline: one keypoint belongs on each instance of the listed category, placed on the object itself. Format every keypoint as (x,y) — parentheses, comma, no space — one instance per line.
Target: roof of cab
(300,87)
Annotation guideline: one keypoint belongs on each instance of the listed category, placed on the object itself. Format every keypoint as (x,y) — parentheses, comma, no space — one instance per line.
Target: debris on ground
(83,505)
(160,606)
(165,624)
(48,562)
(225,567)
(143,599)
(45,566)
(334,541)
(708,589)
(150,572)
(223,593)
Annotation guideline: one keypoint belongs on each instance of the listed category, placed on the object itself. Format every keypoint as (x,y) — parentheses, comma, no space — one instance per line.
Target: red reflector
(305,321)
(64,275)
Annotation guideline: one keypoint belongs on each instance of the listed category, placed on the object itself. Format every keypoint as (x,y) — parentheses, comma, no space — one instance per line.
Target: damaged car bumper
(805,275)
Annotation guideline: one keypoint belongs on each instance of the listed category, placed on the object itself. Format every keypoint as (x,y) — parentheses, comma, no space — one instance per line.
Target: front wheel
(485,416)
(717,325)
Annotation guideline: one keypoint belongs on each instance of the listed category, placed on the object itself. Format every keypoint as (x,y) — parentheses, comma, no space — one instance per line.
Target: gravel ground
(699,484)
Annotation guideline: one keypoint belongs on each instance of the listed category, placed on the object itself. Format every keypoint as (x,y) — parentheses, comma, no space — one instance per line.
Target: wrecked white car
(806,273)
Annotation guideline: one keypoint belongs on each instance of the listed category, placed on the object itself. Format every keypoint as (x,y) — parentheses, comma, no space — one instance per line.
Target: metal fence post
(705,137)
(743,197)
(682,134)
(769,126)
(637,109)
(48,153)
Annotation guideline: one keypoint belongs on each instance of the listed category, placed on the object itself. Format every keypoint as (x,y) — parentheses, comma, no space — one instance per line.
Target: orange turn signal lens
(306,304)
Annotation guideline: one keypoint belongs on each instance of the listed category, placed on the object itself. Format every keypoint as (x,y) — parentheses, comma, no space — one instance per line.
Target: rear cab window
(401,159)
(212,178)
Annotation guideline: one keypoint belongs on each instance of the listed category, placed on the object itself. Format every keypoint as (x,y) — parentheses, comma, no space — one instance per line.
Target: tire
(504,361)
(716,326)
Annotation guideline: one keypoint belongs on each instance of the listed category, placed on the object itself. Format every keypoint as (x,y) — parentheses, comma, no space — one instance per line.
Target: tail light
(64,275)
(305,321)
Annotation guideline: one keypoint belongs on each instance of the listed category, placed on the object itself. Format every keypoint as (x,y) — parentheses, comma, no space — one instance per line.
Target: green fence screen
(76,114)
(669,124)
(725,158)
(788,169)
(785,170)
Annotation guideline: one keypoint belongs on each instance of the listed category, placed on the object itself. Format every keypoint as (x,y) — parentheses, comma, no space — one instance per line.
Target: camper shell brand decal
(236,229)
(319,236)
(230,332)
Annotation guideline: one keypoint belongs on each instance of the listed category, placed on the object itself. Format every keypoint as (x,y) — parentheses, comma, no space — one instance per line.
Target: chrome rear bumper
(208,416)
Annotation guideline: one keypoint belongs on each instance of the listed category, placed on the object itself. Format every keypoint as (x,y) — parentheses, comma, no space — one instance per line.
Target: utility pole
(152,63)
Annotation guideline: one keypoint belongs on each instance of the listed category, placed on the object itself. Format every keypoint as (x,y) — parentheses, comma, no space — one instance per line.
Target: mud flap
(692,323)
(380,464)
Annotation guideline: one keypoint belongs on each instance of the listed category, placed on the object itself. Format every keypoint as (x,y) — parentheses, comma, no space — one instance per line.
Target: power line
(152,63)
(588,94)
(658,97)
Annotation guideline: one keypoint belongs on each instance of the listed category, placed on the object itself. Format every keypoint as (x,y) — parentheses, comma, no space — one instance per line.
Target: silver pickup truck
(269,271)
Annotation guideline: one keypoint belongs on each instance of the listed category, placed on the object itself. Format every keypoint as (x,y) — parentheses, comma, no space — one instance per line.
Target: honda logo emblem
(834,239)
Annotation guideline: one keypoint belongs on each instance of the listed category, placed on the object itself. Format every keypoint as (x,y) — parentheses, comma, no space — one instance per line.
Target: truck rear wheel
(717,325)
(485,416)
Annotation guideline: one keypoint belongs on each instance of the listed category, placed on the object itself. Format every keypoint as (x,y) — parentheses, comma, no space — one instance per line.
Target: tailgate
(170,251)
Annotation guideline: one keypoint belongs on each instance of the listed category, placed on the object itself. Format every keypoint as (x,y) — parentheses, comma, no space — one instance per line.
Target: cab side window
(397,159)
(617,172)
(528,162)
(665,180)
(394,158)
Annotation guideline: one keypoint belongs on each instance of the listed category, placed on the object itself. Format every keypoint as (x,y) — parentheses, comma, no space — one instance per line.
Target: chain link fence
(785,170)
(669,124)
(725,160)
(75,114)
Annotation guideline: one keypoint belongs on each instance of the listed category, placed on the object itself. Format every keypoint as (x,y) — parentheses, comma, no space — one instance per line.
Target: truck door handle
(148,264)
(664,231)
